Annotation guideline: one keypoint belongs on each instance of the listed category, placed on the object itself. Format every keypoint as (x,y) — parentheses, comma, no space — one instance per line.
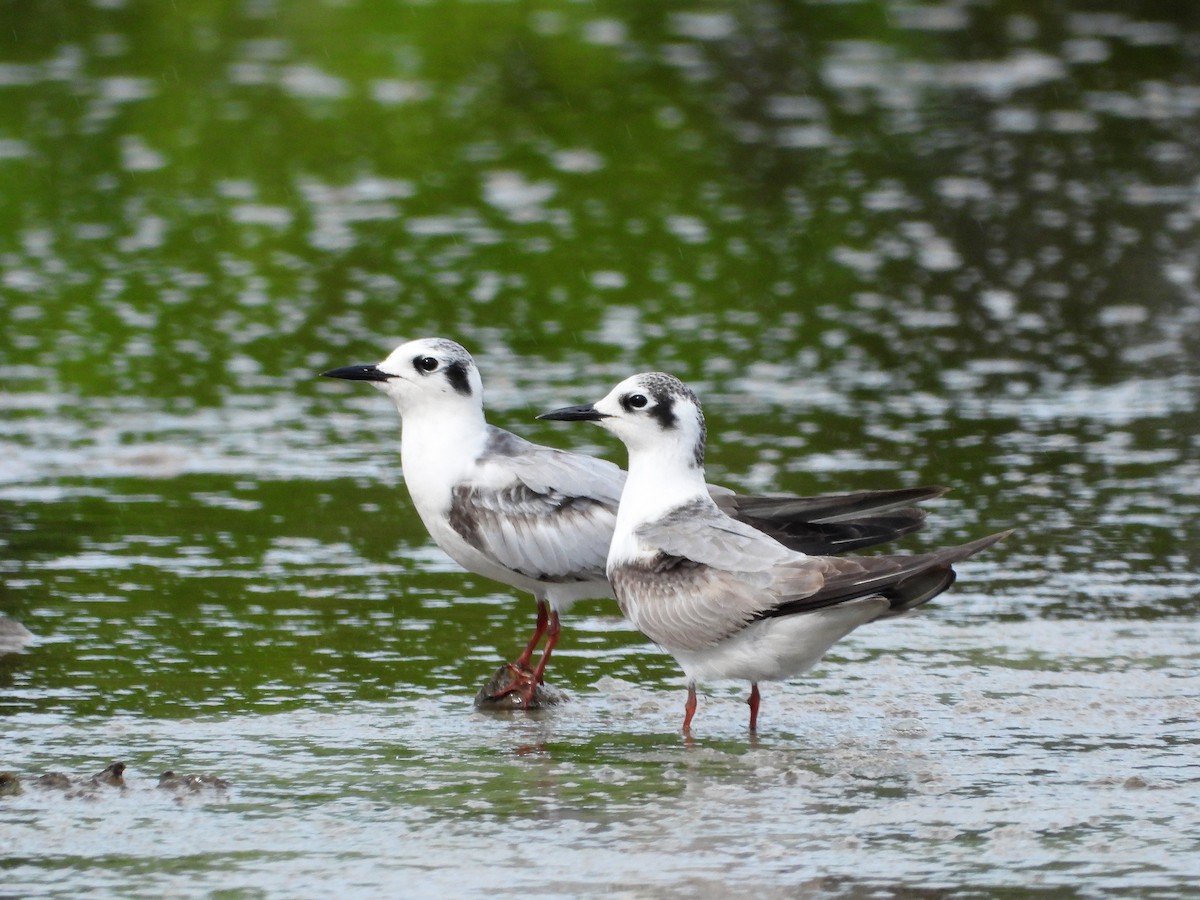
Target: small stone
(111,774)
(191,784)
(55,780)
(910,728)
(13,635)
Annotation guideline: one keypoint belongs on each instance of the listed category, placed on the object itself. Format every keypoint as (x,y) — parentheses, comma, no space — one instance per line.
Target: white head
(652,413)
(430,373)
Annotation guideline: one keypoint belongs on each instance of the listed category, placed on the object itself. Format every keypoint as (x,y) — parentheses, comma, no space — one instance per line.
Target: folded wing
(540,512)
(710,576)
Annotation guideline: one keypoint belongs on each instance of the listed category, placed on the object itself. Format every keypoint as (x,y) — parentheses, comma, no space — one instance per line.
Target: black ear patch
(456,374)
(663,412)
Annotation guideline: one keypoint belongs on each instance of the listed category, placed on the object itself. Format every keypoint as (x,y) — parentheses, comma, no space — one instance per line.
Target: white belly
(778,648)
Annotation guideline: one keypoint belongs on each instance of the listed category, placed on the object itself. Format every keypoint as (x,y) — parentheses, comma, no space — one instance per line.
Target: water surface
(888,245)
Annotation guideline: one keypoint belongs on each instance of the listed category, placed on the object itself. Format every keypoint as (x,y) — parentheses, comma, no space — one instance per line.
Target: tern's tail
(904,581)
(936,575)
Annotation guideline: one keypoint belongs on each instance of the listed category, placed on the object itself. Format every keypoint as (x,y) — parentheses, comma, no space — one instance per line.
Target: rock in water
(13,635)
(111,775)
(490,697)
(87,788)
(191,784)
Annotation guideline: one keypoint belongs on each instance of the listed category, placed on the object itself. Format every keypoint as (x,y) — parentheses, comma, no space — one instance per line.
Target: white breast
(437,454)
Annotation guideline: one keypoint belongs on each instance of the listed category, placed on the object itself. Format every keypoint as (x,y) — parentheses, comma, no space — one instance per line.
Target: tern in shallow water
(726,600)
(540,519)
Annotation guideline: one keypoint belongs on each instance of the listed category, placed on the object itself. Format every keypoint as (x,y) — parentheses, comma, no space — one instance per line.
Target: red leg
(522,679)
(543,614)
(552,632)
(753,701)
(689,708)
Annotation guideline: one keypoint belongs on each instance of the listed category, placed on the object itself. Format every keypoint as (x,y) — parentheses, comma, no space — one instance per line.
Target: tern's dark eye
(635,401)
(425,363)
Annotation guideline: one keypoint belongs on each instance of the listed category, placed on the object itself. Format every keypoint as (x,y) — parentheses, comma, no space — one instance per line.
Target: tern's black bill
(587,413)
(358,373)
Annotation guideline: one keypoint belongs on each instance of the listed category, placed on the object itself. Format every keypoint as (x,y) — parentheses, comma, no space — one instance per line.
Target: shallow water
(925,757)
(887,244)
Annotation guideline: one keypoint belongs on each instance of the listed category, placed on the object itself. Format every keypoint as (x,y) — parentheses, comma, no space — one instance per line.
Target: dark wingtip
(828,508)
(985,542)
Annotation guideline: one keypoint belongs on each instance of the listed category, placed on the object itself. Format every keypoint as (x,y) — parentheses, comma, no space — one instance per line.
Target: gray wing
(542,513)
(700,532)
(682,604)
(544,468)
(712,576)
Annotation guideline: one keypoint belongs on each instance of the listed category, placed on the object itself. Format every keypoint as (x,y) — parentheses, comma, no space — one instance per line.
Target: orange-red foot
(513,687)
(521,681)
